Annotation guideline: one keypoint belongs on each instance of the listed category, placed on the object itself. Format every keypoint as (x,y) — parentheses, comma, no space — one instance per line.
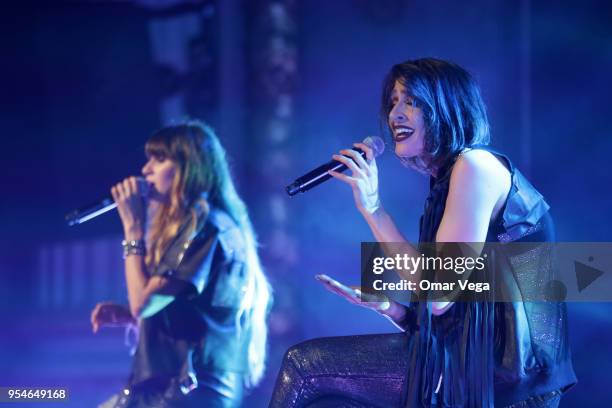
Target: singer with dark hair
(450,354)
(196,289)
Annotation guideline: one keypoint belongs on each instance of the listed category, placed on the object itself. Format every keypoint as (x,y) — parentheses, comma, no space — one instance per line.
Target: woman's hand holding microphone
(130,195)
(363,179)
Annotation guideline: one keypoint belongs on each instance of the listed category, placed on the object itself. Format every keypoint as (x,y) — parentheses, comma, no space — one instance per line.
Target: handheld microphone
(319,175)
(88,212)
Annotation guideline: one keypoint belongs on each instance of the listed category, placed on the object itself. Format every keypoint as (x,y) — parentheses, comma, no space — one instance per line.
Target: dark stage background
(286,84)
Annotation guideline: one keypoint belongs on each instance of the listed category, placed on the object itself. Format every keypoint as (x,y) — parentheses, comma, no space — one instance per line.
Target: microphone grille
(376,144)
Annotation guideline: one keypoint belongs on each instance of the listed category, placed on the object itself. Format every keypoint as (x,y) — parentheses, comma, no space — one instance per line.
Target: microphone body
(317,176)
(320,174)
(86,213)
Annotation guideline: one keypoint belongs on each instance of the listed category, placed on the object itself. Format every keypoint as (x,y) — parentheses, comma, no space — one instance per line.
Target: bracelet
(133,247)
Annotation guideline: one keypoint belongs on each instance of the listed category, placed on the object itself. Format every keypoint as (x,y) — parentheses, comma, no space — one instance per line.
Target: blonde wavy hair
(203,171)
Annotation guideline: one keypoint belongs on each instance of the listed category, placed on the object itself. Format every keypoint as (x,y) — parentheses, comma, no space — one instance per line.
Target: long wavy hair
(454,113)
(203,181)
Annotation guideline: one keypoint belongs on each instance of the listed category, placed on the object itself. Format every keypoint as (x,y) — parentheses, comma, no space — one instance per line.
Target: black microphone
(319,175)
(88,212)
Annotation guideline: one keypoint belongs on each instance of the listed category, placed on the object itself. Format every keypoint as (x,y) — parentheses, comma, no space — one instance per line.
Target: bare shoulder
(482,176)
(480,166)
(480,159)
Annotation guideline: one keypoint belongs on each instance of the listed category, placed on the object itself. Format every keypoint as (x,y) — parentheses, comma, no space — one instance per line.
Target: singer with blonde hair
(196,288)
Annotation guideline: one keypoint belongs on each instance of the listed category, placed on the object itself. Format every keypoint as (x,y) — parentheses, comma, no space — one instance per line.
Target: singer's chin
(406,151)
(155,199)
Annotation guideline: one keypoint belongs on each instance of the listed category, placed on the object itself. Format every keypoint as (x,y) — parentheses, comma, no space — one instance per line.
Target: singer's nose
(396,114)
(146,169)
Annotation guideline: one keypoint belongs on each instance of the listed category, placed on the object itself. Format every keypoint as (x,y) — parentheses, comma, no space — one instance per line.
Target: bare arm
(383,227)
(478,182)
(364,183)
(146,294)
